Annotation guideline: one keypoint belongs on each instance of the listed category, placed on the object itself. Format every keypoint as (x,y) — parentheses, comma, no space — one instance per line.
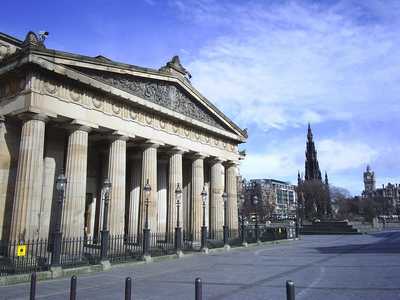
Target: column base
(56,272)
(204,250)
(105,264)
(147,259)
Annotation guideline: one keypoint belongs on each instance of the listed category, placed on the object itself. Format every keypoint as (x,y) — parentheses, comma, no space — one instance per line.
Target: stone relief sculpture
(161,93)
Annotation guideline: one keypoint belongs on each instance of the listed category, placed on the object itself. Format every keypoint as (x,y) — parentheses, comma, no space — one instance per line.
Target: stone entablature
(110,106)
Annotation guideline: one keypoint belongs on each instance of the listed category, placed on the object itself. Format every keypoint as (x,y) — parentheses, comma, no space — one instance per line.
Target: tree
(316,197)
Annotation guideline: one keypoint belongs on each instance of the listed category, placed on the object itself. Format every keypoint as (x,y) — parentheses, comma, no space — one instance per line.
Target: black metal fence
(35,255)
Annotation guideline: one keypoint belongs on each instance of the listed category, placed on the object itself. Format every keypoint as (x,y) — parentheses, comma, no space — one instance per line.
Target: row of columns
(28,187)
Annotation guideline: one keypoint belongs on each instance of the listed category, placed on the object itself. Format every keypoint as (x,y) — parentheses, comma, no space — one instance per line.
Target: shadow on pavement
(389,243)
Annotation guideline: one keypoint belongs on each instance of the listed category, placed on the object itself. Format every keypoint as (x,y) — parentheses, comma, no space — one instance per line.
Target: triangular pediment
(167,94)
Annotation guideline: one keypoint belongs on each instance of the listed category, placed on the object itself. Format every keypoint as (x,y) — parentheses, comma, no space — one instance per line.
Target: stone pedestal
(75,192)
(28,185)
(116,174)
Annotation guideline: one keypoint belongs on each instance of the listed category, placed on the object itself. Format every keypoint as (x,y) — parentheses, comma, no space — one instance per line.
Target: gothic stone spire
(311,165)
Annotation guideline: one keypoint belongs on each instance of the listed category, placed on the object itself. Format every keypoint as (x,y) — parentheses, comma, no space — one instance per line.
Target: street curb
(64,273)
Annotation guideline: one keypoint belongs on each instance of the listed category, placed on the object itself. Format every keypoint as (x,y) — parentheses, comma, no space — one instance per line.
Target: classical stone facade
(94,118)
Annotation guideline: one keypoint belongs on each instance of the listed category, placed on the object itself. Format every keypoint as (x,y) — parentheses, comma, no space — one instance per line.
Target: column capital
(2,118)
(33,116)
(72,128)
(117,135)
(232,163)
(177,150)
(215,160)
(199,155)
(151,144)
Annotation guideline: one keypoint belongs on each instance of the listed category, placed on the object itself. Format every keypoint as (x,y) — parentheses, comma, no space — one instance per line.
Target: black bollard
(198,289)
(128,288)
(33,286)
(72,293)
(290,290)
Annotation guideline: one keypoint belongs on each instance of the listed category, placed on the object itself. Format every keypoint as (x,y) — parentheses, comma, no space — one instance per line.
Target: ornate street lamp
(146,229)
(226,229)
(243,226)
(57,235)
(105,233)
(178,229)
(255,203)
(204,227)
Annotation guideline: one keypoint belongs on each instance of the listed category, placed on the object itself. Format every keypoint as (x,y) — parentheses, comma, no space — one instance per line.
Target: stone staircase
(329,227)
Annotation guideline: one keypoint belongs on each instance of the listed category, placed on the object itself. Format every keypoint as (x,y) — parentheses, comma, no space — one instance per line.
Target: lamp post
(255,203)
(105,233)
(204,227)
(146,229)
(226,229)
(57,235)
(178,229)
(242,225)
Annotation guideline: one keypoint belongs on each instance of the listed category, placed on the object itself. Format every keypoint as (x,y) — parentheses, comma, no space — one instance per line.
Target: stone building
(388,195)
(94,118)
(279,197)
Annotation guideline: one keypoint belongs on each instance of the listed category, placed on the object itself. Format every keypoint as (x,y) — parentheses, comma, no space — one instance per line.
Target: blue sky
(272,66)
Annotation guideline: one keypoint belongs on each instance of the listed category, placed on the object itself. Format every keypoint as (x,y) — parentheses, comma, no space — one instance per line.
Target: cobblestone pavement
(322,267)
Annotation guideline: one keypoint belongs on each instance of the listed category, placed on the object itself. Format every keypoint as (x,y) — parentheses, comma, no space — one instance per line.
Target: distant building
(369,181)
(278,196)
(389,195)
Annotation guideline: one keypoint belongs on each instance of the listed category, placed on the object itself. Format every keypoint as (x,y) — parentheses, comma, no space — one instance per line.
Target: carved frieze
(112,106)
(12,87)
(161,93)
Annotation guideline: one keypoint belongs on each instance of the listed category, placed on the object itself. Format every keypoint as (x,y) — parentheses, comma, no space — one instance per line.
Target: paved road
(322,267)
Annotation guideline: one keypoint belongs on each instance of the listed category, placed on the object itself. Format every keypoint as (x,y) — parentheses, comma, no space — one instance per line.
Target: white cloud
(340,156)
(281,66)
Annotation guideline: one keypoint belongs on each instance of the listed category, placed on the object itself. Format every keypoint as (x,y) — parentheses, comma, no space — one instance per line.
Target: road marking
(313,284)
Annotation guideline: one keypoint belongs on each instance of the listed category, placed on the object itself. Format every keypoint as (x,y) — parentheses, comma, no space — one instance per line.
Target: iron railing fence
(81,251)
(27,257)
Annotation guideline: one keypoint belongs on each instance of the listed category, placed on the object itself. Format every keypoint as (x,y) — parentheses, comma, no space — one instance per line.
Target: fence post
(128,288)
(72,293)
(198,289)
(33,286)
(290,290)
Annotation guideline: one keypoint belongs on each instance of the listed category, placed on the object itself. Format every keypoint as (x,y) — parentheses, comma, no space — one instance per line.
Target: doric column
(175,178)
(117,177)
(28,185)
(149,172)
(162,184)
(75,193)
(197,187)
(216,201)
(231,189)
(134,196)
